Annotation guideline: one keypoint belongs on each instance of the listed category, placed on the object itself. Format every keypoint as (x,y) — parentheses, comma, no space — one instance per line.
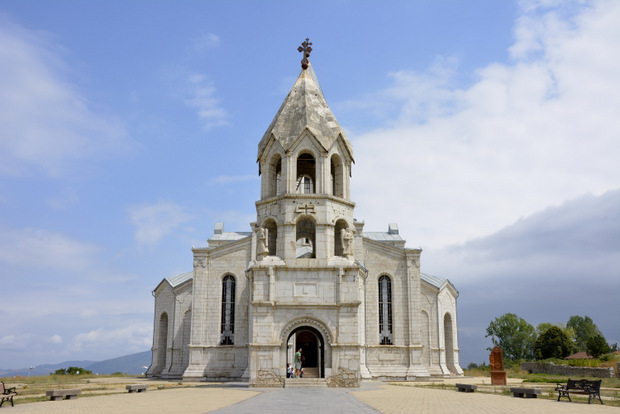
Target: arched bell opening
(305,239)
(306,174)
(272,236)
(273,177)
(337,176)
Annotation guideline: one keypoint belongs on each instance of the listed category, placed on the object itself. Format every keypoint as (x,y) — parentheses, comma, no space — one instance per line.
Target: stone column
(416,369)
(198,338)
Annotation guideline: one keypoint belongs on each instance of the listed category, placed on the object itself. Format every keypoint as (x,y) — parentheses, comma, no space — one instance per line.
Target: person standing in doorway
(297,362)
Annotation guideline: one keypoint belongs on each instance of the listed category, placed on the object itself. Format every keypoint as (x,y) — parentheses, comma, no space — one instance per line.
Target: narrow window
(228,311)
(385,311)
(306,174)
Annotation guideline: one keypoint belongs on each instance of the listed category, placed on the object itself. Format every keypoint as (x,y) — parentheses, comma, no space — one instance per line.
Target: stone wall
(572,372)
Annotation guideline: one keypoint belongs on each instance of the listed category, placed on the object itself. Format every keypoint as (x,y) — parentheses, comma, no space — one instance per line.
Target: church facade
(306,275)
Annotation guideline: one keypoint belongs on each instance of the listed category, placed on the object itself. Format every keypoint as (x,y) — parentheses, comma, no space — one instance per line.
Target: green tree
(77,371)
(553,343)
(513,335)
(597,346)
(544,326)
(584,329)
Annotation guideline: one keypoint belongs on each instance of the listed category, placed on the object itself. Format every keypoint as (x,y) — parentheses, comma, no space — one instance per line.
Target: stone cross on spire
(305,47)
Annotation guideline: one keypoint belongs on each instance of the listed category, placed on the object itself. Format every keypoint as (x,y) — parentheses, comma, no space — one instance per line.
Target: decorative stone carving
(496,360)
(200,261)
(306,208)
(262,243)
(346,237)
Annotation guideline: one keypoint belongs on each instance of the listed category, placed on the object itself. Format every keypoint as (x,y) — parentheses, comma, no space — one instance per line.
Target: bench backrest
(584,384)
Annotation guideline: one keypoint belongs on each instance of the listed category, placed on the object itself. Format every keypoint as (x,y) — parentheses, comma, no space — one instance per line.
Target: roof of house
(579,355)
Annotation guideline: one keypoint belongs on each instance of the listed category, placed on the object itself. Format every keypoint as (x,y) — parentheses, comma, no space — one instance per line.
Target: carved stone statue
(346,237)
(496,361)
(262,244)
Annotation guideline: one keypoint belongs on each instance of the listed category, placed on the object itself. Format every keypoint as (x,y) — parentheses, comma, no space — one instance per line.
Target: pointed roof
(304,108)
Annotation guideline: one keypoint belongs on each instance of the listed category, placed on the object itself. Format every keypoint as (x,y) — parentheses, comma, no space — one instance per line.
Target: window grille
(228,311)
(385,311)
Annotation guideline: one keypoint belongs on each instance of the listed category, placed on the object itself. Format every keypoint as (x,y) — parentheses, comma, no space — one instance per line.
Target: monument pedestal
(498,377)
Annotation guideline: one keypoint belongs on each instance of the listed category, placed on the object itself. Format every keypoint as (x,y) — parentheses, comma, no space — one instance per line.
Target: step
(311,372)
(305,383)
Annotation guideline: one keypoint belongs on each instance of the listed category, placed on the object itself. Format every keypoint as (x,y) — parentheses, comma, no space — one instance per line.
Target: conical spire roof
(304,108)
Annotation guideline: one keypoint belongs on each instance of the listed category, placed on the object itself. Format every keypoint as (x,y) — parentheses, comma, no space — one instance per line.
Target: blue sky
(488,130)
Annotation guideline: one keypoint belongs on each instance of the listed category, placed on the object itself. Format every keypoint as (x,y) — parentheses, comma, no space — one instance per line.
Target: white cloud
(45,120)
(7,340)
(541,130)
(200,94)
(154,221)
(56,339)
(39,248)
(206,42)
(131,338)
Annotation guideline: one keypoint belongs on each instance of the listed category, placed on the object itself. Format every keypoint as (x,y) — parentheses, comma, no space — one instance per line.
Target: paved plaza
(370,398)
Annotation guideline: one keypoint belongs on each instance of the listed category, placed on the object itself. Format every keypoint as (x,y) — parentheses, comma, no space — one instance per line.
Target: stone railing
(572,372)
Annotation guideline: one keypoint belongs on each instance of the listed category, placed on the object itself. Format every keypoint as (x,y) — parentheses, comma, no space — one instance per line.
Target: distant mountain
(44,369)
(133,364)
(129,364)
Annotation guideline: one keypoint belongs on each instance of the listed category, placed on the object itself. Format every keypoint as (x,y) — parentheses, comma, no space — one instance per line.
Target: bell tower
(305,158)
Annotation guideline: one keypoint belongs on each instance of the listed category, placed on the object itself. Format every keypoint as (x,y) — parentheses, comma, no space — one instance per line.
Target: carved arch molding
(298,323)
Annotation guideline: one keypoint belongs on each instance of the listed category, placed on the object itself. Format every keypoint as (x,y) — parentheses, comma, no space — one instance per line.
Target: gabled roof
(180,279)
(435,281)
(230,236)
(304,108)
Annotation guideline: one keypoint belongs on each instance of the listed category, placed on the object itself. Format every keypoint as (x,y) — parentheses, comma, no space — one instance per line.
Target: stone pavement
(370,398)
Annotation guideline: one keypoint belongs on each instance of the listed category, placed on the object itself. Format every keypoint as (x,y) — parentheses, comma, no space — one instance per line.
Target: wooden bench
(60,394)
(136,387)
(525,392)
(586,387)
(7,394)
(466,387)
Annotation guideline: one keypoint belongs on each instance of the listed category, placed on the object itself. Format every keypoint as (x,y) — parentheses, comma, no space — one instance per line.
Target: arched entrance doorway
(311,343)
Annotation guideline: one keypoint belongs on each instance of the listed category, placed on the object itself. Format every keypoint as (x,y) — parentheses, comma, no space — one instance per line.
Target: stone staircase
(311,372)
(310,380)
(305,383)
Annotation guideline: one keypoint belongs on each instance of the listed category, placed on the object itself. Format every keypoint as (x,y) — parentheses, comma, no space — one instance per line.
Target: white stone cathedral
(306,276)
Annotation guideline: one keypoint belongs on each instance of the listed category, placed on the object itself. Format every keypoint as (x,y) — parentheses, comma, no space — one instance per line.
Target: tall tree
(514,335)
(553,343)
(597,346)
(544,326)
(584,328)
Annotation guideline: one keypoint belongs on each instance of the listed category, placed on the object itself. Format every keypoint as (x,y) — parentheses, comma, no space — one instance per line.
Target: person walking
(297,362)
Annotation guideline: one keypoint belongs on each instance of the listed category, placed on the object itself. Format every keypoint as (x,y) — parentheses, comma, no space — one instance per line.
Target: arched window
(305,239)
(228,311)
(337,176)
(306,174)
(385,311)
(272,236)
